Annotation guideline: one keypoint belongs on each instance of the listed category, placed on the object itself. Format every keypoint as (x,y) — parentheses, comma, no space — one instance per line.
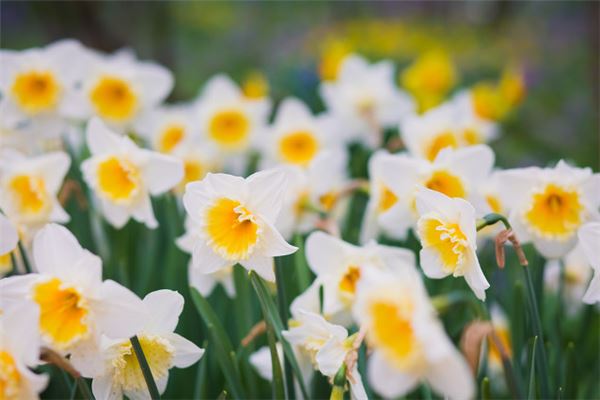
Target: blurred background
(291,44)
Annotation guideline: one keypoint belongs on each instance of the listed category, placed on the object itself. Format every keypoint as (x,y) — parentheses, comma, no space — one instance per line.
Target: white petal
(386,380)
(476,279)
(156,81)
(53,167)
(165,307)
(592,294)
(162,172)
(100,139)
(8,235)
(104,388)
(206,260)
(274,245)
(202,282)
(324,252)
(452,377)
(428,200)
(115,214)
(266,192)
(589,237)
(186,352)
(144,213)
(331,357)
(431,264)
(119,311)
(262,265)
(357,389)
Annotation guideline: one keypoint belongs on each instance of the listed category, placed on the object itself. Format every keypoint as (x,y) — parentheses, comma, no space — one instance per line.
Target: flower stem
(26,263)
(139,353)
(491,219)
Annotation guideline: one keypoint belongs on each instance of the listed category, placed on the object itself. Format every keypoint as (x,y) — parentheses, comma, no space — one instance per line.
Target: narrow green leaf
(278,384)
(24,257)
(272,318)
(146,371)
(531,391)
(485,388)
(283,306)
(200,384)
(221,344)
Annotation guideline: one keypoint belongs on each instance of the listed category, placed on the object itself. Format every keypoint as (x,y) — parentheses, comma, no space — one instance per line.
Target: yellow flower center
(126,367)
(63,312)
(387,198)
(170,137)
(392,332)
(118,179)
(350,279)
(555,211)
(494,203)
(114,99)
(255,86)
(471,136)
(446,183)
(298,147)
(494,354)
(488,102)
(439,142)
(302,203)
(29,194)
(193,171)
(232,230)
(36,91)
(328,200)
(5,264)
(447,240)
(10,379)
(229,128)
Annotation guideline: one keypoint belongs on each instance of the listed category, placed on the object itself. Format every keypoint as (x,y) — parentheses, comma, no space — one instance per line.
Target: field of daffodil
(239,245)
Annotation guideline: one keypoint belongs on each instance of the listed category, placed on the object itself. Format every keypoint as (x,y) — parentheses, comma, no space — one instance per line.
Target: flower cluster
(257,183)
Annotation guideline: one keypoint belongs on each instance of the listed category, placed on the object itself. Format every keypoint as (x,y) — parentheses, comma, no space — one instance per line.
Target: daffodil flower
(549,205)
(123,176)
(118,88)
(36,85)
(408,343)
(9,238)
(366,98)
(502,331)
(446,228)
(589,237)
(115,369)
(340,265)
(453,172)
(167,128)
(74,305)
(227,118)
(236,218)
(19,351)
(30,187)
(297,137)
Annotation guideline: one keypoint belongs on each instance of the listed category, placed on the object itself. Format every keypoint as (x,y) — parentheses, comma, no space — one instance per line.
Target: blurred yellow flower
(255,85)
(333,53)
(512,86)
(429,78)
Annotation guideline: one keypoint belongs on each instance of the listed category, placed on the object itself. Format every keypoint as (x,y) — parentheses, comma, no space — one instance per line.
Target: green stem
(542,360)
(491,219)
(84,389)
(26,263)
(283,314)
(139,353)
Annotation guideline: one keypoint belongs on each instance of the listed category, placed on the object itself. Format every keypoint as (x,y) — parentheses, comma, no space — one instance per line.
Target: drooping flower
(236,217)
(455,173)
(8,242)
(339,267)
(75,306)
(297,137)
(366,98)
(115,369)
(19,351)
(118,88)
(446,228)
(589,237)
(408,343)
(30,187)
(548,205)
(36,85)
(227,118)
(123,176)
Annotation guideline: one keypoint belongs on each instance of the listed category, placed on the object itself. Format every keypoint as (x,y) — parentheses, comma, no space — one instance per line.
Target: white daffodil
(236,218)
(549,205)
(19,351)
(228,119)
(446,228)
(340,265)
(203,282)
(366,98)
(30,187)
(318,187)
(9,238)
(115,370)
(167,128)
(198,160)
(576,276)
(297,137)
(75,305)
(589,237)
(123,176)
(454,172)
(118,89)
(502,331)
(408,343)
(444,126)
(36,84)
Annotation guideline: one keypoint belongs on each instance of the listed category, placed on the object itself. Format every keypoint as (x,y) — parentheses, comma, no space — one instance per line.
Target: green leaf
(278,384)
(531,391)
(201,381)
(221,344)
(146,371)
(272,318)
